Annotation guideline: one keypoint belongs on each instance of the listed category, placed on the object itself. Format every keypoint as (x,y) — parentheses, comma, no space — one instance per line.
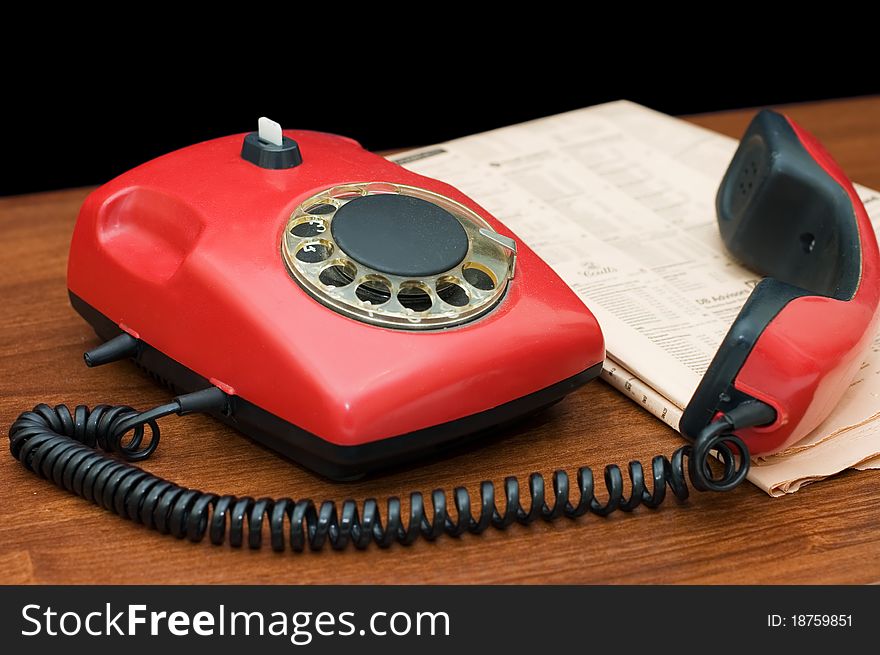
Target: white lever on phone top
(269,131)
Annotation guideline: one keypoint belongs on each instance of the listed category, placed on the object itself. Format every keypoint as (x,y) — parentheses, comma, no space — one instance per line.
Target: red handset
(787,211)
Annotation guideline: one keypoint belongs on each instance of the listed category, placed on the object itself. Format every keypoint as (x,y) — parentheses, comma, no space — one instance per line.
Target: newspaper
(619,200)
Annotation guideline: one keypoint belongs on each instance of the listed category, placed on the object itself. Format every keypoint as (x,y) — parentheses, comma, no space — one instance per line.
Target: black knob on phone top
(269,148)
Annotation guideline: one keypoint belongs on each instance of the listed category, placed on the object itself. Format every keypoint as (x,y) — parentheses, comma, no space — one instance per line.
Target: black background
(74,120)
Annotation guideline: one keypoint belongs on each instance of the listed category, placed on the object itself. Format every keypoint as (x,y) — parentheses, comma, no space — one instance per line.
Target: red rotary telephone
(352,314)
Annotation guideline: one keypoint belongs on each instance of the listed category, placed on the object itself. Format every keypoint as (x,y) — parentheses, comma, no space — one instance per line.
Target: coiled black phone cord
(65,447)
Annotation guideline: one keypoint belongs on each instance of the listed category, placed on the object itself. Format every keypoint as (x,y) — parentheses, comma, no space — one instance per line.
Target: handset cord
(66,448)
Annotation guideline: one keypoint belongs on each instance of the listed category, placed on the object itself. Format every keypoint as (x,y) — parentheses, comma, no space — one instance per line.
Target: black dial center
(400,235)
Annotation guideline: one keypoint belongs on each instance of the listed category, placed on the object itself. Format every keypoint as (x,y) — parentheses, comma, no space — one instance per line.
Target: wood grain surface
(827,533)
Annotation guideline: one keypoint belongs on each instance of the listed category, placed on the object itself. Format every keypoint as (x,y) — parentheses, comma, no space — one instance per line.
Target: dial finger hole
(451,291)
(374,289)
(309,227)
(313,252)
(415,296)
(346,192)
(382,187)
(340,273)
(479,277)
(321,209)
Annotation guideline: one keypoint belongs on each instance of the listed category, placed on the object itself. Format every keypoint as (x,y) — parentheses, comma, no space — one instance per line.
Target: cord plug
(207,400)
(749,414)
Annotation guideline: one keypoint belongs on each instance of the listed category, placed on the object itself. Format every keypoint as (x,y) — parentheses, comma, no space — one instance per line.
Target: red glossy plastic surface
(184,253)
(807,356)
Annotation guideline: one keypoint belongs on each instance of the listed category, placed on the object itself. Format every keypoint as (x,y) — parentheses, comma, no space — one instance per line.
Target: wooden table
(827,533)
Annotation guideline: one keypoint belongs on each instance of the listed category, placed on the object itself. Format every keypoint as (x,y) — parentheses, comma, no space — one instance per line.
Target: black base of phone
(336,462)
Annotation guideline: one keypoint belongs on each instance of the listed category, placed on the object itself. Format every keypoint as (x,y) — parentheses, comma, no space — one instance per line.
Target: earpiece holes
(374,289)
(451,291)
(748,175)
(479,277)
(808,242)
(314,251)
(415,296)
(340,273)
